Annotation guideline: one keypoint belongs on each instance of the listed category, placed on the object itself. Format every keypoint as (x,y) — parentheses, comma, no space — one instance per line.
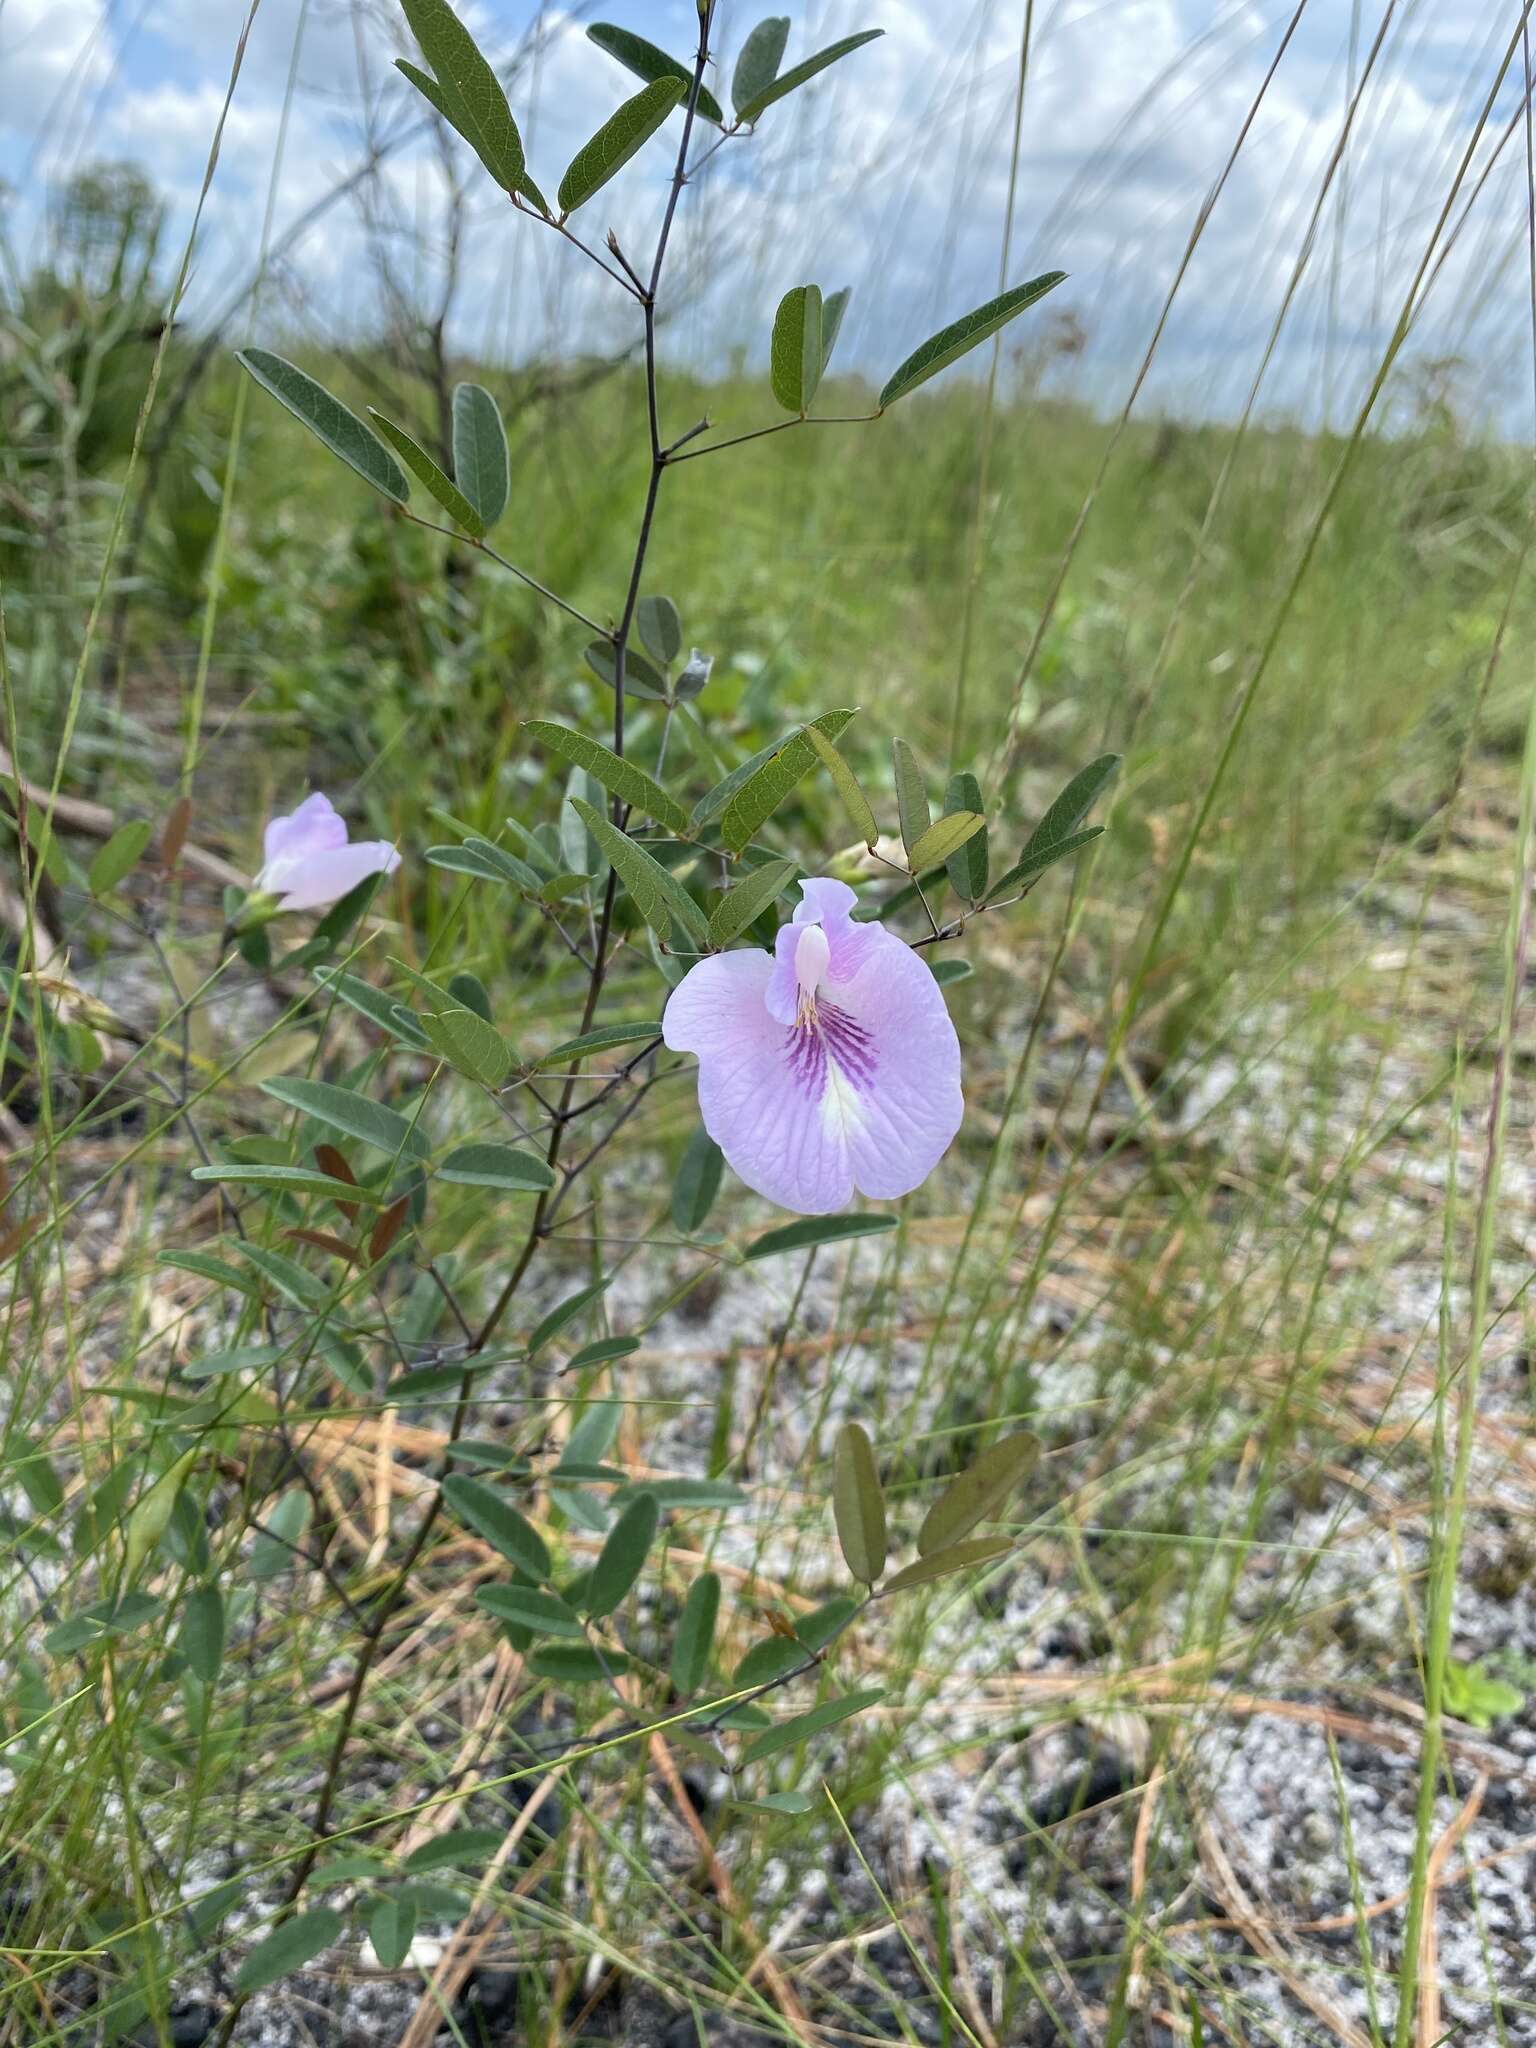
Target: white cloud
(49,49)
(891,173)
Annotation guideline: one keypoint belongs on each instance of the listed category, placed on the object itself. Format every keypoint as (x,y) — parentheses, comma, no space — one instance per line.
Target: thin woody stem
(394,1592)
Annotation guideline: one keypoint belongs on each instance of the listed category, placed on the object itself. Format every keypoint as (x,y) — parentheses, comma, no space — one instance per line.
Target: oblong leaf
(617,141)
(649,63)
(115,861)
(621,778)
(697,1183)
(392,1928)
(858,1504)
(800,1728)
(939,1564)
(967,866)
(604,1039)
(695,1634)
(565,1312)
(847,784)
(642,678)
(481,465)
(372,1003)
(491,1515)
(484,858)
(1033,865)
(289,1946)
(740,906)
(761,793)
(758,64)
(951,342)
(660,627)
(472,96)
(354,1115)
(833,307)
(622,1557)
(202,1632)
(795,354)
(945,836)
(331,422)
(287,1180)
(979,1492)
(660,900)
(814,1230)
(911,795)
(527,1607)
(496,1166)
(1067,813)
(798,74)
(576,1664)
(453,114)
(471,1045)
(421,465)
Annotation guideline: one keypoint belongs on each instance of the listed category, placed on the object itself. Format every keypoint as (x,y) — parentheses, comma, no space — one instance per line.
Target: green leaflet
(813,1230)
(331,422)
(847,785)
(760,795)
(740,906)
(115,861)
(796,354)
(471,1045)
(951,342)
(799,74)
(801,1727)
(622,1557)
(697,1183)
(1033,865)
(481,464)
(979,1493)
(967,866)
(604,1039)
(1067,813)
(290,1945)
(858,1504)
(289,1180)
(945,836)
(938,1564)
(421,465)
(660,900)
(496,1166)
(695,1634)
(660,627)
(758,64)
(471,99)
(617,141)
(355,1116)
(631,785)
(649,63)
(491,1515)
(833,307)
(911,796)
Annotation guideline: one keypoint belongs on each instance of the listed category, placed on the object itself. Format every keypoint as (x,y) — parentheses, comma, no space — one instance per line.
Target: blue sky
(889,174)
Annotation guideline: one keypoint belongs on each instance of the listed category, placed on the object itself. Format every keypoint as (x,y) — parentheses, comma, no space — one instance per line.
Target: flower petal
(772,1128)
(315,827)
(902,1110)
(827,903)
(309,883)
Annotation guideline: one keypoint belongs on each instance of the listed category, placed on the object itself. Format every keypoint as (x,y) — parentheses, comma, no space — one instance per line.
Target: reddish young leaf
(387,1229)
(330,1161)
(323,1241)
(173,837)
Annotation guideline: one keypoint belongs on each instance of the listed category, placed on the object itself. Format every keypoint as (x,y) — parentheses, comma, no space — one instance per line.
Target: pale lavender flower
(828,1066)
(308,861)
